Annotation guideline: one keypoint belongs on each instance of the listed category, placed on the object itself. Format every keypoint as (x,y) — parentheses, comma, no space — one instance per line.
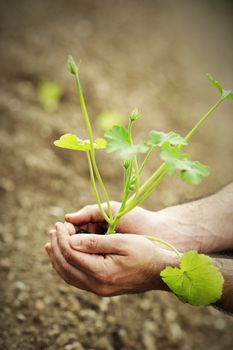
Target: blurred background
(148,54)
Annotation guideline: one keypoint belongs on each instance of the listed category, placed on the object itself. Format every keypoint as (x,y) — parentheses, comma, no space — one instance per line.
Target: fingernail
(75,240)
(67,217)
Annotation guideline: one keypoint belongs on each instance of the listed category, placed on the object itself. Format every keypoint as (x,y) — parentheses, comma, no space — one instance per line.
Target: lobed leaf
(71,141)
(157,138)
(225,94)
(192,172)
(119,142)
(170,155)
(197,281)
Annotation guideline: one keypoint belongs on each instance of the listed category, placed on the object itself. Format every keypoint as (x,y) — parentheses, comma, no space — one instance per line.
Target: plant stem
(90,135)
(187,138)
(137,202)
(95,189)
(145,161)
(137,176)
(202,120)
(152,238)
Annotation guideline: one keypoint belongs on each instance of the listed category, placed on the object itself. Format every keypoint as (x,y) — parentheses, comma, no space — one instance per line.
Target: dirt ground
(149,54)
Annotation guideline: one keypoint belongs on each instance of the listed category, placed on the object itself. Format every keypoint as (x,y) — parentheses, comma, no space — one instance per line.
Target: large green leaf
(197,281)
(119,142)
(71,141)
(225,94)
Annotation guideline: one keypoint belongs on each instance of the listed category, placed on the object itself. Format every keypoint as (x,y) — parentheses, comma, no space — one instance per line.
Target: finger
(47,247)
(98,244)
(90,213)
(52,231)
(70,274)
(70,227)
(88,263)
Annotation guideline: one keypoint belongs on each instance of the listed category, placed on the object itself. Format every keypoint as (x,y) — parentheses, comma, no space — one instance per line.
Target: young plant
(197,281)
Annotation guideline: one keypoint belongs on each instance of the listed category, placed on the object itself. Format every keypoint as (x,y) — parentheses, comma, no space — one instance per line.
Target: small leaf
(197,281)
(119,141)
(193,172)
(225,94)
(71,141)
(159,137)
(49,95)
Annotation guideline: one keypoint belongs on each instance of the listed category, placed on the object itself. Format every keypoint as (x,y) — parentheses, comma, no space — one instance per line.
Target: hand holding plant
(197,281)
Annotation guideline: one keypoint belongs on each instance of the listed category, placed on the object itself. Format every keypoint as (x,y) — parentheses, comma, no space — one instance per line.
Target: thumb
(100,244)
(88,214)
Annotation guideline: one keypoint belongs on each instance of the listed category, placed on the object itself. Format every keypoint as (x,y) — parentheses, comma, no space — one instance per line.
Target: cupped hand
(108,265)
(89,218)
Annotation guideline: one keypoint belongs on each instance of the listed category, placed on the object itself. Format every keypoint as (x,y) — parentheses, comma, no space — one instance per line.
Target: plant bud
(126,164)
(134,115)
(72,65)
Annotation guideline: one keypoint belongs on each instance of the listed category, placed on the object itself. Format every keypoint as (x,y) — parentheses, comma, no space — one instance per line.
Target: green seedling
(49,95)
(197,281)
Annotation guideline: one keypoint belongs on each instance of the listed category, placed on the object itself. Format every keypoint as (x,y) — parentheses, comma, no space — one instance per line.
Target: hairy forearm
(225,265)
(205,224)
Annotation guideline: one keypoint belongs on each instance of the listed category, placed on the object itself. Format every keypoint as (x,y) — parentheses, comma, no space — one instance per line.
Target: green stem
(95,189)
(202,120)
(139,200)
(90,135)
(137,176)
(152,238)
(148,183)
(145,161)
(187,138)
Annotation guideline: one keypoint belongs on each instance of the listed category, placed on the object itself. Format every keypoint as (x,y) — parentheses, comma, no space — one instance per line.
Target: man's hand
(108,265)
(204,225)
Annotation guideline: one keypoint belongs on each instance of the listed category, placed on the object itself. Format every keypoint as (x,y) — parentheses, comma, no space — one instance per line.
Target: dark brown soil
(149,54)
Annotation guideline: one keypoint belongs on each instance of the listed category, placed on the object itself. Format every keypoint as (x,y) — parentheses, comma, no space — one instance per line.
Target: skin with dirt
(149,54)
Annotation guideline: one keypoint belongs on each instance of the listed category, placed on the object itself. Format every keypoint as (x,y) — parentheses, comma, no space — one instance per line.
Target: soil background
(149,54)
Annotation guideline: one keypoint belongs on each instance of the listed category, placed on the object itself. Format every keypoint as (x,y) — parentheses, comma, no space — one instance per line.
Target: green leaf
(119,142)
(157,138)
(193,172)
(107,119)
(225,94)
(197,281)
(71,141)
(170,154)
(49,95)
